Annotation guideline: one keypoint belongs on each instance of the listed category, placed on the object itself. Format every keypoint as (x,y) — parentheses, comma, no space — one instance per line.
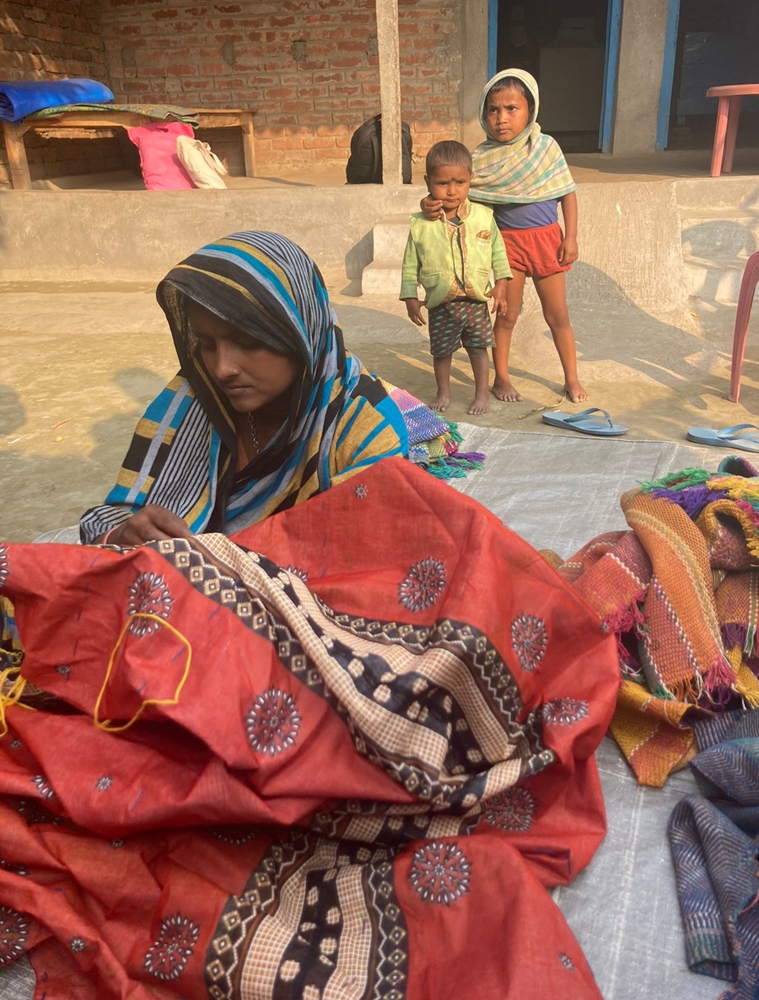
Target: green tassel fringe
(677,481)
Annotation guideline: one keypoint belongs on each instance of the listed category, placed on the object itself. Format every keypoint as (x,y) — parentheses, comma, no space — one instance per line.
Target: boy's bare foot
(575,392)
(480,404)
(440,403)
(506,392)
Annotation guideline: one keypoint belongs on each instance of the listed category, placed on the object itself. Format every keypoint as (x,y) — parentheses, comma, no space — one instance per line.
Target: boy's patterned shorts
(459,323)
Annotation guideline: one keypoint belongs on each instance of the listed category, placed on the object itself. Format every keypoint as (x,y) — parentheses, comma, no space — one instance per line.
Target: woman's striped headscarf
(184,452)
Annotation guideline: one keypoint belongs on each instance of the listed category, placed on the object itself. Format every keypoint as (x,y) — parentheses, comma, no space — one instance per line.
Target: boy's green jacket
(432,259)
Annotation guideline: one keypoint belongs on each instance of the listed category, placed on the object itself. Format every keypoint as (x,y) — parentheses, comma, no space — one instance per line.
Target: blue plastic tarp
(19,98)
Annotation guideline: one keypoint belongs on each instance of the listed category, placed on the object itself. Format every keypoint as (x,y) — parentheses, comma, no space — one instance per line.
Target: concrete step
(381,278)
(716,279)
(724,232)
(383,275)
(738,193)
(390,235)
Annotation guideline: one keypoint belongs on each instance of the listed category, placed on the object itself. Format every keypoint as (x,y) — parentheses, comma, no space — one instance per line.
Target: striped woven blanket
(680,591)
(434,442)
(160,111)
(715,853)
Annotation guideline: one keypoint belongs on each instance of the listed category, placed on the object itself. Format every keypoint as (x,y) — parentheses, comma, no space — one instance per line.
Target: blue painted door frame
(611,64)
(492,37)
(667,73)
(613,24)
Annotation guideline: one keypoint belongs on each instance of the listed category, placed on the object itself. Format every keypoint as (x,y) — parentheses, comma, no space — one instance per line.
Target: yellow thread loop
(106,724)
(10,692)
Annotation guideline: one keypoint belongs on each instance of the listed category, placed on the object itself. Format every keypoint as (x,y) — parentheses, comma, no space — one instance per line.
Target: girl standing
(523,176)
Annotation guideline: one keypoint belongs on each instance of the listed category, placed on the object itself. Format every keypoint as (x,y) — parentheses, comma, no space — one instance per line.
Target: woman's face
(507,114)
(249,373)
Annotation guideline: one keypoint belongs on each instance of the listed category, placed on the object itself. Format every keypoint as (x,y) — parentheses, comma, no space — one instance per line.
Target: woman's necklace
(254,433)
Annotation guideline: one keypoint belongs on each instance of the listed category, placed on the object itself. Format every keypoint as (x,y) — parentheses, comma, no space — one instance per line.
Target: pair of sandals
(594,420)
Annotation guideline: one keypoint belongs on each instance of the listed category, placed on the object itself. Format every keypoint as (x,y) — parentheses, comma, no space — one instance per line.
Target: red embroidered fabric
(336,755)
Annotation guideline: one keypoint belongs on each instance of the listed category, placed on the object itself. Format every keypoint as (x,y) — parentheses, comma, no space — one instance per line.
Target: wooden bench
(209,118)
(726,129)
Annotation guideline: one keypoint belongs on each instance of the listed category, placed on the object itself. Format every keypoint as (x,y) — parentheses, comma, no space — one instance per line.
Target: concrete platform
(630,232)
(590,168)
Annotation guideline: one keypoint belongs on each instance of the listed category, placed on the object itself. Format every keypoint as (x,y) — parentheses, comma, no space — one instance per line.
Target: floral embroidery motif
(440,872)
(529,639)
(567,962)
(34,812)
(234,835)
(149,594)
(104,783)
(362,491)
(564,711)
(300,573)
(13,932)
(15,744)
(273,722)
(63,670)
(167,957)
(76,944)
(423,585)
(3,564)
(513,809)
(116,844)
(43,786)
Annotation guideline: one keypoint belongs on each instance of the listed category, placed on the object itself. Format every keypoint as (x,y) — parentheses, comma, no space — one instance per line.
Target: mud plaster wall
(54,39)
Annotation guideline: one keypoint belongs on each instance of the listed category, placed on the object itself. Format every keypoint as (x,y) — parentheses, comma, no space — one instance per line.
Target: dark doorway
(717,44)
(563,44)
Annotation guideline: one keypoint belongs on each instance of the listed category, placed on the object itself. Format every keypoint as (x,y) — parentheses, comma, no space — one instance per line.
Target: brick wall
(308,68)
(52,39)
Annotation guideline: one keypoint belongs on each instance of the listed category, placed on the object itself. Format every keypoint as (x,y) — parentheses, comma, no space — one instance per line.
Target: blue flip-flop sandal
(728,437)
(585,422)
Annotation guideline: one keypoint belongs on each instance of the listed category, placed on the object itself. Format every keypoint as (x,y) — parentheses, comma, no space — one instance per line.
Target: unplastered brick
(304,66)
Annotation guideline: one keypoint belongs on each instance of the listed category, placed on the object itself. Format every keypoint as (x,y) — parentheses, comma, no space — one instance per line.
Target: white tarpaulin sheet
(558,492)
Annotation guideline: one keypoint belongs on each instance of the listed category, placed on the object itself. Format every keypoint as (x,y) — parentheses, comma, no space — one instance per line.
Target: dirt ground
(80,364)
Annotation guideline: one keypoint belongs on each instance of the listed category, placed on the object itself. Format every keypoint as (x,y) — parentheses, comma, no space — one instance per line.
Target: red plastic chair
(742,316)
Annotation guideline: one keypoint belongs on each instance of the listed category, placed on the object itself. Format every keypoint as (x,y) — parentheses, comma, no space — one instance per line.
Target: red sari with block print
(335,756)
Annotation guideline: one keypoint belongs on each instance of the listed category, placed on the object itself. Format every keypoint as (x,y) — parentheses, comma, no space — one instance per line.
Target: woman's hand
(432,208)
(149,525)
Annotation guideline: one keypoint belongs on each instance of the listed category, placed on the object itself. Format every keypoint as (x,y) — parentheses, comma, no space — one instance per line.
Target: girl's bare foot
(576,392)
(480,404)
(440,403)
(506,392)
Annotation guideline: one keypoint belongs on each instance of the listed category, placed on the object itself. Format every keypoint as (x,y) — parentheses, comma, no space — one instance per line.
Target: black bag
(365,162)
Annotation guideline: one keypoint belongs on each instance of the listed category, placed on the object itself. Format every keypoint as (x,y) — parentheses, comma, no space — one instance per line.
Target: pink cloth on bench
(161,167)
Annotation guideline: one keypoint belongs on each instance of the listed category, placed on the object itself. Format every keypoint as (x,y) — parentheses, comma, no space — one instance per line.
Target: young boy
(451,258)
(521,173)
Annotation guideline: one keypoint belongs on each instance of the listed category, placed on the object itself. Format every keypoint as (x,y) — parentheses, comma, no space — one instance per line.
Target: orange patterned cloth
(340,755)
(680,592)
